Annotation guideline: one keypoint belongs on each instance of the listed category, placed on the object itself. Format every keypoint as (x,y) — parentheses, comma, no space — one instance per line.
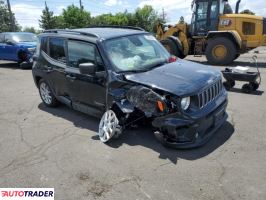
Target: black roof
(101,32)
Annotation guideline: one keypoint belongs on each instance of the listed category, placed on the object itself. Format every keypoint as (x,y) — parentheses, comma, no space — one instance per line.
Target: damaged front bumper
(178,131)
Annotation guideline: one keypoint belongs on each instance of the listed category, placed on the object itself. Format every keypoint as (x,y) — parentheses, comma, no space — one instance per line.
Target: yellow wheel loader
(215,31)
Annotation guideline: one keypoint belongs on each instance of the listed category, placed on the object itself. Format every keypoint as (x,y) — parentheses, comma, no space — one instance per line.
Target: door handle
(71,77)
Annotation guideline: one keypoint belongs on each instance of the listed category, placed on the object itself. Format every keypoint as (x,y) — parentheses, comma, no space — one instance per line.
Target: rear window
(57,49)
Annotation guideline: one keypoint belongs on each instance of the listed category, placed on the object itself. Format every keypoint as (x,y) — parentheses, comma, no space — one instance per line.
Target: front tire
(237,56)
(46,94)
(220,51)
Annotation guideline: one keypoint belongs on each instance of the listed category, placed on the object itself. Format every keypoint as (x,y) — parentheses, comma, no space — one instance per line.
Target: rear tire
(47,95)
(229,85)
(220,51)
(255,85)
(247,88)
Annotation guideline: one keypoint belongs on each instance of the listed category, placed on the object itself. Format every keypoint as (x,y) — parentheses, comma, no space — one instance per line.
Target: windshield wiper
(155,65)
(135,71)
(147,67)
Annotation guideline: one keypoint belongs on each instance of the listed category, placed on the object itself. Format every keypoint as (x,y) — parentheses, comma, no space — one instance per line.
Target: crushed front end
(195,126)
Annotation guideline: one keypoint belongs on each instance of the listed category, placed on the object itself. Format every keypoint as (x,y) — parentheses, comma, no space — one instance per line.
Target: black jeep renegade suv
(123,75)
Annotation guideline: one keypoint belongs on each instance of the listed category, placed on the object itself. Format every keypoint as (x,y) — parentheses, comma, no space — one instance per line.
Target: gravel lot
(44,147)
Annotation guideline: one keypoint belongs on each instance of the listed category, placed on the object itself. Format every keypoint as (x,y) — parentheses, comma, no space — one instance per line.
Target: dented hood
(181,78)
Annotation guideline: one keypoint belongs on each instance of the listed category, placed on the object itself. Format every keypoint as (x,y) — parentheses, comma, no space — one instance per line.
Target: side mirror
(87,68)
(9,42)
(35,58)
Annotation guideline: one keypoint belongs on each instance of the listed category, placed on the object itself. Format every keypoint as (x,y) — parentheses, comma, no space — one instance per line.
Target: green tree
(29,29)
(47,20)
(146,18)
(181,20)
(5,22)
(59,22)
(247,11)
(74,17)
(109,19)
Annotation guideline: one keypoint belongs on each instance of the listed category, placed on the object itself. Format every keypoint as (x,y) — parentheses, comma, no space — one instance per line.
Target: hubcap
(45,93)
(219,52)
(109,126)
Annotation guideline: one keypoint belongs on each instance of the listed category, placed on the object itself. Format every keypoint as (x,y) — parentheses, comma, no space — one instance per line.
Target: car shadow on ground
(12,65)
(9,65)
(143,136)
(239,90)
(236,63)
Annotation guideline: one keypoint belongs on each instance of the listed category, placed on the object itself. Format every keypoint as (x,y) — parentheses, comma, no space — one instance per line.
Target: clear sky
(28,11)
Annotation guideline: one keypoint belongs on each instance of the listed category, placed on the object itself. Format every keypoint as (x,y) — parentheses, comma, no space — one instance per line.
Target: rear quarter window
(43,44)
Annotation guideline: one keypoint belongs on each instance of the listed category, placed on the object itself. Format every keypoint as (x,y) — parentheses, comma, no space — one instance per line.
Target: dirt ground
(45,147)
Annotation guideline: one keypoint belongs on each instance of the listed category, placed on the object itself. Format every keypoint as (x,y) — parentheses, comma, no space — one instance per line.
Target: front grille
(210,93)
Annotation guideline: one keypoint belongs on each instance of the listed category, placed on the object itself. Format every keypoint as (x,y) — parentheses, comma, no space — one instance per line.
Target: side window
(214,9)
(248,28)
(57,50)
(82,52)
(2,38)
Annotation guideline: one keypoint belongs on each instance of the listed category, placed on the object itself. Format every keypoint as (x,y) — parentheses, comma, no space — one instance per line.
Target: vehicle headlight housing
(185,103)
(31,50)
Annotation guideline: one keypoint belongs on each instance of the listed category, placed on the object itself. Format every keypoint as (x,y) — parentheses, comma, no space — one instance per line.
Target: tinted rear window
(57,49)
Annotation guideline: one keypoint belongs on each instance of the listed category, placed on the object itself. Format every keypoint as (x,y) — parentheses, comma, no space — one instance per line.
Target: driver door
(10,49)
(2,46)
(87,92)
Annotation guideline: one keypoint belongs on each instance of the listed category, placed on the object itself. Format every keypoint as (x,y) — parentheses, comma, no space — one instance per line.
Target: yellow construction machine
(215,31)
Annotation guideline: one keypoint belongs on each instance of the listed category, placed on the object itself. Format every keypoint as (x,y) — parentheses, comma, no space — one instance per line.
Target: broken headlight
(185,103)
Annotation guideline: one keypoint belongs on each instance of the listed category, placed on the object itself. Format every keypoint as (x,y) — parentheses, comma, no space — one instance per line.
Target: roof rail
(117,26)
(71,31)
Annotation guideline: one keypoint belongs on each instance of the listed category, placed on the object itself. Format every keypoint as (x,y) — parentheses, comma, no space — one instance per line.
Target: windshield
(136,53)
(227,8)
(22,37)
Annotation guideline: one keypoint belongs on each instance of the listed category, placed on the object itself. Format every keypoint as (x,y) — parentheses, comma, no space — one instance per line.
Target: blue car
(18,47)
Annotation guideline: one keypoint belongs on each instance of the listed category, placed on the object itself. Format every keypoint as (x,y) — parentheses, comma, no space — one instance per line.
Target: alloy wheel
(45,93)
